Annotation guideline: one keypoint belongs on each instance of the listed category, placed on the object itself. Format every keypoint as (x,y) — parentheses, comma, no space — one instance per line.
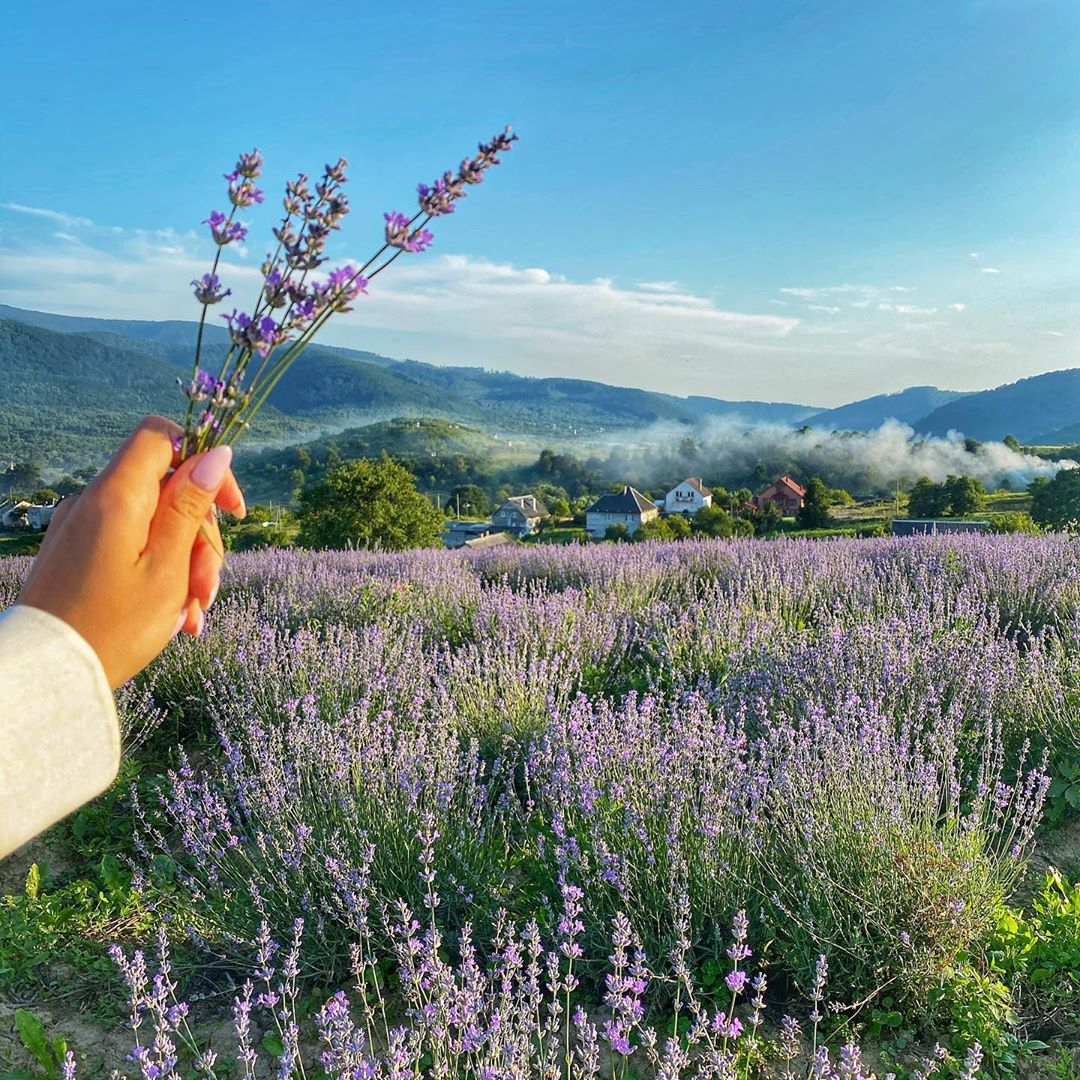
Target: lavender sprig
(291,308)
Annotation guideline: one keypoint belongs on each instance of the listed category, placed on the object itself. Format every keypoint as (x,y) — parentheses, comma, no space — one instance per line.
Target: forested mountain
(63,376)
(73,386)
(1028,409)
(908,406)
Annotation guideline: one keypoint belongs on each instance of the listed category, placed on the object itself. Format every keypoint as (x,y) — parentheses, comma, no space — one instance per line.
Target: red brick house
(784,493)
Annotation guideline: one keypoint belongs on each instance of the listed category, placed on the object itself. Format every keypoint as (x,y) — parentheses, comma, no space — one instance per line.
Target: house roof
(627,501)
(788,483)
(521,502)
(491,540)
(479,527)
(697,485)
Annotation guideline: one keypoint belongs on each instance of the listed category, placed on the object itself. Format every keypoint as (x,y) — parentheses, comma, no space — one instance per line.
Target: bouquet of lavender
(292,305)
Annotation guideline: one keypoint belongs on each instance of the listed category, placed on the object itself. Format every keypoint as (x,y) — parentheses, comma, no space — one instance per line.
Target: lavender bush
(849,742)
(846,740)
(515,1013)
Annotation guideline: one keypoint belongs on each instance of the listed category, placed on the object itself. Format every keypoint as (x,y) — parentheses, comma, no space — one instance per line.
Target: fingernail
(210,469)
(213,595)
(200,619)
(242,512)
(179,623)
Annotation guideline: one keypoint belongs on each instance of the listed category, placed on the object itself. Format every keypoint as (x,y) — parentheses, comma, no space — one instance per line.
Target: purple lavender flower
(259,336)
(208,289)
(342,286)
(400,235)
(438,199)
(250,165)
(242,193)
(223,231)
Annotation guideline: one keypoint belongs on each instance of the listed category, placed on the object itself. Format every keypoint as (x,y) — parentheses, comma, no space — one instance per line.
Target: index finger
(147,455)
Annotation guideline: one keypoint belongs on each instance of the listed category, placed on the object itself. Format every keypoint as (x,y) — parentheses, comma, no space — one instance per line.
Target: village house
(459,533)
(627,507)
(11,513)
(688,497)
(519,515)
(38,517)
(784,494)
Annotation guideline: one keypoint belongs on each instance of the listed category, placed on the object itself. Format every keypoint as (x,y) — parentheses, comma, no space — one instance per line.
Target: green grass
(560,535)
(20,543)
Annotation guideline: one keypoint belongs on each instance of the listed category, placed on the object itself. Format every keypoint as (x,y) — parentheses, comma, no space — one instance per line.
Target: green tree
(1013,443)
(44,495)
(368,503)
(616,532)
(814,513)
(766,520)
(1056,505)
(716,521)
(927,499)
(966,494)
(472,499)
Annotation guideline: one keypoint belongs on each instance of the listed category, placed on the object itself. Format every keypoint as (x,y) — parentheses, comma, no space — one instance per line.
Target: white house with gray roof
(519,515)
(627,507)
(688,497)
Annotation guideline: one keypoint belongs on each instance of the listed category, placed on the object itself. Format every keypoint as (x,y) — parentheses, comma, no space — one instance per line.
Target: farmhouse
(38,517)
(784,494)
(627,507)
(519,515)
(688,497)
(11,513)
(459,533)
(936,526)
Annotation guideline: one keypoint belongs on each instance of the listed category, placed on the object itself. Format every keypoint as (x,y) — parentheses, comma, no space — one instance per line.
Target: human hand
(136,558)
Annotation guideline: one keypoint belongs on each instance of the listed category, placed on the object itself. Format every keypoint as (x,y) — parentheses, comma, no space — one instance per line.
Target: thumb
(184,502)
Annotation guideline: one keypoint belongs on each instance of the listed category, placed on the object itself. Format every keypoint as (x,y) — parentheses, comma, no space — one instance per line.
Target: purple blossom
(242,192)
(208,289)
(259,335)
(223,231)
(250,165)
(400,235)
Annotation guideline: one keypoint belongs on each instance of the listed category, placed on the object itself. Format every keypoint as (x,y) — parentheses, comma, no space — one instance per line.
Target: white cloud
(441,308)
(990,269)
(822,307)
(866,293)
(58,216)
(1052,333)
(957,307)
(906,309)
(659,286)
(975,255)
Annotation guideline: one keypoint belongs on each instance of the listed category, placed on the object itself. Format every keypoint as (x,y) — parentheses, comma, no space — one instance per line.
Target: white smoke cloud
(865,463)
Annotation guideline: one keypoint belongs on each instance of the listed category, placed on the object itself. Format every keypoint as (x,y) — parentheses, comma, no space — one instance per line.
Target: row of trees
(957,496)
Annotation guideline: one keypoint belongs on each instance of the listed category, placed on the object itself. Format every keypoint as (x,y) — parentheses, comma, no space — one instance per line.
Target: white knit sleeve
(59,735)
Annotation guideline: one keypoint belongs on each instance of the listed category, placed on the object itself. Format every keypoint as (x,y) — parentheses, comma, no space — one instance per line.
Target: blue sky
(792,200)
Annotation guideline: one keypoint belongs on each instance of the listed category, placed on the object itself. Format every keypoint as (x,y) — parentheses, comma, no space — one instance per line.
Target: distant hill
(1060,437)
(1027,409)
(908,406)
(69,400)
(327,389)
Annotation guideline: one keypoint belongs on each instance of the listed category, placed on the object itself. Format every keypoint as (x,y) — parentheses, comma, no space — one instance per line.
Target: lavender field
(695,809)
